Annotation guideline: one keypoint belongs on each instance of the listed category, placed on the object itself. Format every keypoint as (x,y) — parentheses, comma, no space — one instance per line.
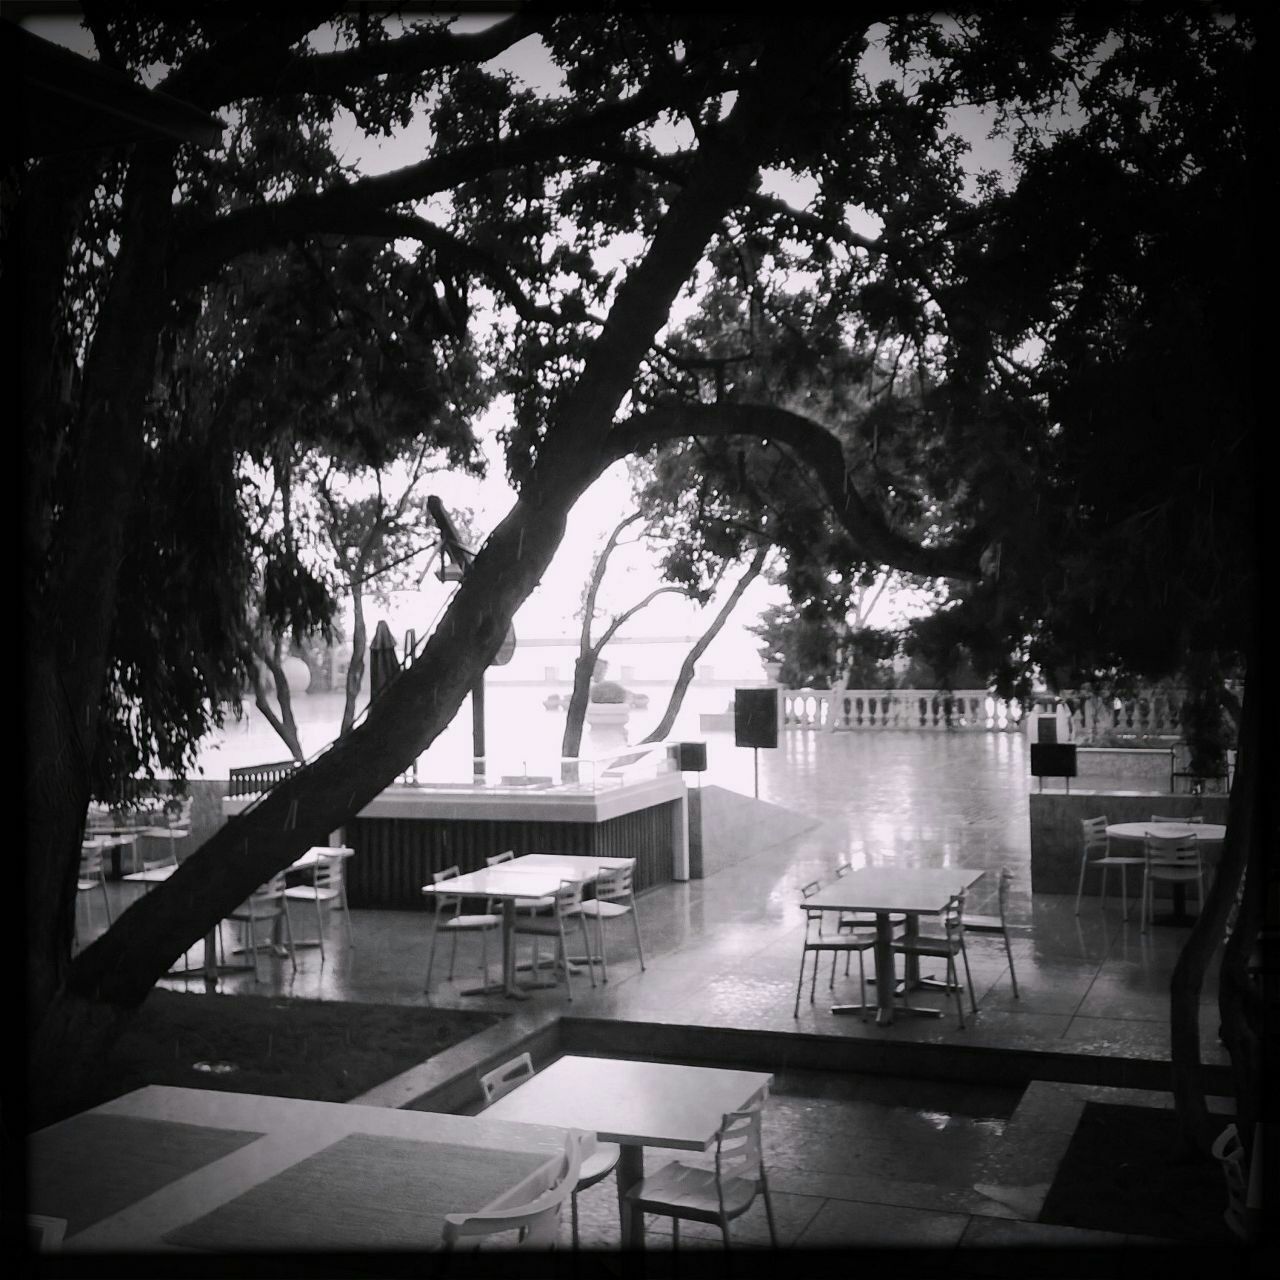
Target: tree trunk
(689,665)
(284,723)
(1207,935)
(121,967)
(359,643)
(584,666)
(1247,1004)
(71,616)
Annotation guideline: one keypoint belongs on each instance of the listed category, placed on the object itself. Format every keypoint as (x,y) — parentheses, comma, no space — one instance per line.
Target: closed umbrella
(384,666)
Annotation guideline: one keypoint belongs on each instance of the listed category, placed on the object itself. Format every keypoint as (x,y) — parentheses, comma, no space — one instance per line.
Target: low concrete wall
(1123,768)
(1056,818)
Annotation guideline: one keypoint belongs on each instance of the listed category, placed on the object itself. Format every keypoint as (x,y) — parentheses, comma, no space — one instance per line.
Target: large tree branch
(204,247)
(414,54)
(822,453)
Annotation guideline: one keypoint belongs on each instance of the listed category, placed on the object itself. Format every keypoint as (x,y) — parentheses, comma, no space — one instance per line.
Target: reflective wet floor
(725,950)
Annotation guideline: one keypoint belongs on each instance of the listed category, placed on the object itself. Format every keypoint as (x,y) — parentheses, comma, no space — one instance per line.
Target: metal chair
(1173,860)
(855,940)
(1095,852)
(717,1195)
(850,920)
(91,876)
(536,1222)
(327,889)
(946,947)
(998,924)
(615,896)
(566,905)
(482,923)
(265,904)
(595,1168)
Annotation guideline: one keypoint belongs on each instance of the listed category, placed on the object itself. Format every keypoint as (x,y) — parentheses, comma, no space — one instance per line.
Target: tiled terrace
(722,960)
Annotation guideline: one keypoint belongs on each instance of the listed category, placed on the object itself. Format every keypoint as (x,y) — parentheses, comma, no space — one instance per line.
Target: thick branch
(821,451)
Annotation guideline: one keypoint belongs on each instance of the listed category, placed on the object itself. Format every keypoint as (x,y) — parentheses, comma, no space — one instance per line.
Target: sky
(551,609)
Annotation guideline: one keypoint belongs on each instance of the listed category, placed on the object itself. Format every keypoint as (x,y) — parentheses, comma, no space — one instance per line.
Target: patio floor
(723,952)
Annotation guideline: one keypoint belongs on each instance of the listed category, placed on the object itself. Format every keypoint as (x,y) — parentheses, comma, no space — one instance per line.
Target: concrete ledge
(450,1081)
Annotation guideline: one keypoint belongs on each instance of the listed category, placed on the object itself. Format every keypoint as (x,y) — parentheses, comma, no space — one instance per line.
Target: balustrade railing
(1096,717)
(973,710)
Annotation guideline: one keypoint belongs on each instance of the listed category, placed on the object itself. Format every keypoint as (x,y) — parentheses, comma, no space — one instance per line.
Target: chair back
(1193,819)
(1094,831)
(537,1221)
(501,1080)
(842,870)
(500,857)
(267,899)
(447,901)
(740,1146)
(1172,852)
(616,883)
(1002,893)
(329,873)
(567,897)
(953,918)
(91,862)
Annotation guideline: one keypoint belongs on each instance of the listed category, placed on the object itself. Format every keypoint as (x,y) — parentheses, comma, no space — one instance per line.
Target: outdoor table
(1207,834)
(636,1105)
(507,886)
(167,1168)
(888,891)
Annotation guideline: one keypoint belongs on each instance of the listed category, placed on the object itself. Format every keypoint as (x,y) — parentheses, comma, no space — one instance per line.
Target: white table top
(155,875)
(583,867)
(499,882)
(655,1104)
(293,1129)
(911,890)
(1205,832)
(319,853)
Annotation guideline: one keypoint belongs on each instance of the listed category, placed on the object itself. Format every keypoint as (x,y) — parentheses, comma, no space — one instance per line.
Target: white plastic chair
(1173,860)
(850,940)
(998,924)
(91,876)
(566,905)
(327,889)
(536,1222)
(717,1195)
(946,947)
(1095,852)
(615,896)
(482,923)
(265,905)
(595,1167)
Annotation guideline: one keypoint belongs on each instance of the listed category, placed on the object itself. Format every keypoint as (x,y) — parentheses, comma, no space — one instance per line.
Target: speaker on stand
(755,722)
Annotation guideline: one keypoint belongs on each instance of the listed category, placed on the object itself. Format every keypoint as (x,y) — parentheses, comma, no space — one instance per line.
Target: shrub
(608,691)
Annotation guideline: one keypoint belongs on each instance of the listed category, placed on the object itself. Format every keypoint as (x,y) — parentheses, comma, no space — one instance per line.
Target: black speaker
(755,717)
(1053,759)
(690,757)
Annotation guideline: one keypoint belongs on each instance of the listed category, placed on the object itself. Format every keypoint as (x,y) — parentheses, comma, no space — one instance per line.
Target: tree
(667,133)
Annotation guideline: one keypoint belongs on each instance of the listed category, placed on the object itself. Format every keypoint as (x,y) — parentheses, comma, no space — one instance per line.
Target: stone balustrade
(974,710)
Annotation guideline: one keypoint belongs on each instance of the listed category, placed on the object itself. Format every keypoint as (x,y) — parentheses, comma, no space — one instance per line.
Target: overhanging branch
(821,452)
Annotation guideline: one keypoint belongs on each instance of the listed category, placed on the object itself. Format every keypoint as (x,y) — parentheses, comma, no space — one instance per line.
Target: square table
(635,1104)
(507,886)
(887,891)
(167,1168)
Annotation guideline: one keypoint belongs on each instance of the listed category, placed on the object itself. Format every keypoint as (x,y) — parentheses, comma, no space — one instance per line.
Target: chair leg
(964,953)
(1008,950)
(586,947)
(862,989)
(635,924)
(764,1189)
(724,1222)
(106,900)
(288,933)
(346,911)
(604,959)
(431,955)
(800,982)
(1124,892)
(813,983)
(1084,866)
(320,929)
(453,954)
(1145,913)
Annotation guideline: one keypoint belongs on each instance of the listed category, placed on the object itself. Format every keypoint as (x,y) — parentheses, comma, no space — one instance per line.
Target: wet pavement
(866,1164)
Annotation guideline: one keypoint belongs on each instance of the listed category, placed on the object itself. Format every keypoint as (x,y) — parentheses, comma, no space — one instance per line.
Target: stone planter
(607,714)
